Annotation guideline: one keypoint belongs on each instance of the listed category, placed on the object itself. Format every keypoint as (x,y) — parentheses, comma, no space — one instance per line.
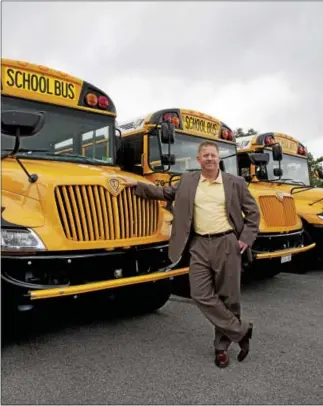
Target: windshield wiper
(82,157)
(316,201)
(285,179)
(46,152)
(303,189)
(26,150)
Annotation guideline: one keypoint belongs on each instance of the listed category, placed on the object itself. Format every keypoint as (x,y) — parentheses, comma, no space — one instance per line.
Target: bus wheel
(261,269)
(180,286)
(271,272)
(306,261)
(144,298)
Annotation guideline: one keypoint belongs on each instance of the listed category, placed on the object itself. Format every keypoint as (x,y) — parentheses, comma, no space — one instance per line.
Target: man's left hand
(243,246)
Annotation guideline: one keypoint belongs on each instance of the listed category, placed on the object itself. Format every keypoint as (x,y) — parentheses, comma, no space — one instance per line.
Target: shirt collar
(217,180)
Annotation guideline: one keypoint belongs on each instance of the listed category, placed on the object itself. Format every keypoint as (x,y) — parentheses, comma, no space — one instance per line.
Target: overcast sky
(250,64)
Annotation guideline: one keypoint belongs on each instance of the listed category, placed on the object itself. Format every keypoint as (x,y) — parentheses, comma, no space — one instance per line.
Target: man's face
(209,158)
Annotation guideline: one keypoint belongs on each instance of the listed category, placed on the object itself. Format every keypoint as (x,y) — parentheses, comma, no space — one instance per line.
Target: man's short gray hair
(208,144)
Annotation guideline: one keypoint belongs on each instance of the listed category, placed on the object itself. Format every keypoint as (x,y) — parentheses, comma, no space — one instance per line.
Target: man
(208,216)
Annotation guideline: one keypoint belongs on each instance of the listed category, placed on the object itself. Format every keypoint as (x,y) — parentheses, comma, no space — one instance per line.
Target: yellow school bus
(69,226)
(281,232)
(286,171)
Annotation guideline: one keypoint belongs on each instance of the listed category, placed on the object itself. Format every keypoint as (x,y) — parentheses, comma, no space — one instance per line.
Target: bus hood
(308,201)
(79,206)
(54,173)
(277,209)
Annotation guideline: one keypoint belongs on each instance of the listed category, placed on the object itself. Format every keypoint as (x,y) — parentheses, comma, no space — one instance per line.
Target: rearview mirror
(21,123)
(277,152)
(168,159)
(259,158)
(167,132)
(278,172)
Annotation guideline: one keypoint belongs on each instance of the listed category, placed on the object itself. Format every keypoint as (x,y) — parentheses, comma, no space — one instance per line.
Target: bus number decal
(39,84)
(200,125)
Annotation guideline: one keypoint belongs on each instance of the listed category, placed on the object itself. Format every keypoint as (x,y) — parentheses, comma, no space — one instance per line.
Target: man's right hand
(127,181)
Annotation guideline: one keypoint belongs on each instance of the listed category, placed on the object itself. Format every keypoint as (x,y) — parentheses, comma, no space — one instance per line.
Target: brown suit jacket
(237,200)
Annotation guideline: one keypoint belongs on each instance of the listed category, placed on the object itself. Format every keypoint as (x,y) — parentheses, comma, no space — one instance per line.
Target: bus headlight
(20,240)
(320,216)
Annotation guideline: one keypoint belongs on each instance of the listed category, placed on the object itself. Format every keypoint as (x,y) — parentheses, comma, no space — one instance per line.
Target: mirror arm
(32,178)
(153,129)
(17,142)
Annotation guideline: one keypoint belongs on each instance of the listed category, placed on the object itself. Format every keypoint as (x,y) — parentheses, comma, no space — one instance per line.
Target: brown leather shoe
(245,344)
(221,358)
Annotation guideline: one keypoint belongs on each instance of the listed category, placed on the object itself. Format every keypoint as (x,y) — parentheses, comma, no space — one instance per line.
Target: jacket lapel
(228,188)
(192,190)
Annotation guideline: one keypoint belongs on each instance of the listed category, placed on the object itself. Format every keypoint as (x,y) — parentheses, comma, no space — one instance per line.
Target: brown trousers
(215,275)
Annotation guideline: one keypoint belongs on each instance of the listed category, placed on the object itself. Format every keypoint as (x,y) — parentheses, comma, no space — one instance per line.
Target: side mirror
(21,123)
(278,172)
(167,132)
(168,160)
(259,158)
(277,152)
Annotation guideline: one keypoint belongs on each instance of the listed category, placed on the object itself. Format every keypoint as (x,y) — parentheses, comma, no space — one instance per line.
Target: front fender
(311,218)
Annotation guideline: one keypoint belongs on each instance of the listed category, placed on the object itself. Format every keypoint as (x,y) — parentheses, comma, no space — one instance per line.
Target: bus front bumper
(97,286)
(285,253)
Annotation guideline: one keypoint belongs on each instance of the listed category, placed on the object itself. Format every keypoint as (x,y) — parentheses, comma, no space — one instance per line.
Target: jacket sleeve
(157,192)
(252,216)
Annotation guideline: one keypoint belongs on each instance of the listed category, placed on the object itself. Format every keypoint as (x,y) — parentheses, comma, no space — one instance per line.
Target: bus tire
(305,261)
(144,298)
(180,286)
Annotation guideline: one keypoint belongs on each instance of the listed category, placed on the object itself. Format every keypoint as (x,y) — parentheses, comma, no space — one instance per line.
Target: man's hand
(127,181)
(243,246)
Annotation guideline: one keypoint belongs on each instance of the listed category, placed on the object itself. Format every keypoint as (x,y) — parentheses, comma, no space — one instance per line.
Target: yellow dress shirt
(209,207)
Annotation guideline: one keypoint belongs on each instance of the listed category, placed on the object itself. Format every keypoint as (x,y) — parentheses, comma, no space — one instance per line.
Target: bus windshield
(295,169)
(66,136)
(185,150)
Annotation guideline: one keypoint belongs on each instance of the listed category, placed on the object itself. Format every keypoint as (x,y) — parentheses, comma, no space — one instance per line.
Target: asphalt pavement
(90,357)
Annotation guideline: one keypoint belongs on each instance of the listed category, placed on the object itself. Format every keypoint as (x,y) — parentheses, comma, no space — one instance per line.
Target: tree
(314,165)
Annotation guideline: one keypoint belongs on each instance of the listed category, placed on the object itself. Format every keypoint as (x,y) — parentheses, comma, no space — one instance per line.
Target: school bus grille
(91,213)
(278,213)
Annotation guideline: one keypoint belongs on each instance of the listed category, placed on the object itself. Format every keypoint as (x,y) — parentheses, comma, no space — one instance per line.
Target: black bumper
(267,242)
(58,269)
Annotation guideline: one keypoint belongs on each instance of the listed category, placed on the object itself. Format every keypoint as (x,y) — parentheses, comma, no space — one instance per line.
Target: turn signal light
(91,99)
(175,121)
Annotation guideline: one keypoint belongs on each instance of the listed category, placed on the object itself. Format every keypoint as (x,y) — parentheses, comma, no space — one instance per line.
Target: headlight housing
(320,215)
(16,239)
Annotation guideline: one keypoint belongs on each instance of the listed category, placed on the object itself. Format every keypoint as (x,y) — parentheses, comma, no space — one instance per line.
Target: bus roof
(189,121)
(40,83)
(289,144)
